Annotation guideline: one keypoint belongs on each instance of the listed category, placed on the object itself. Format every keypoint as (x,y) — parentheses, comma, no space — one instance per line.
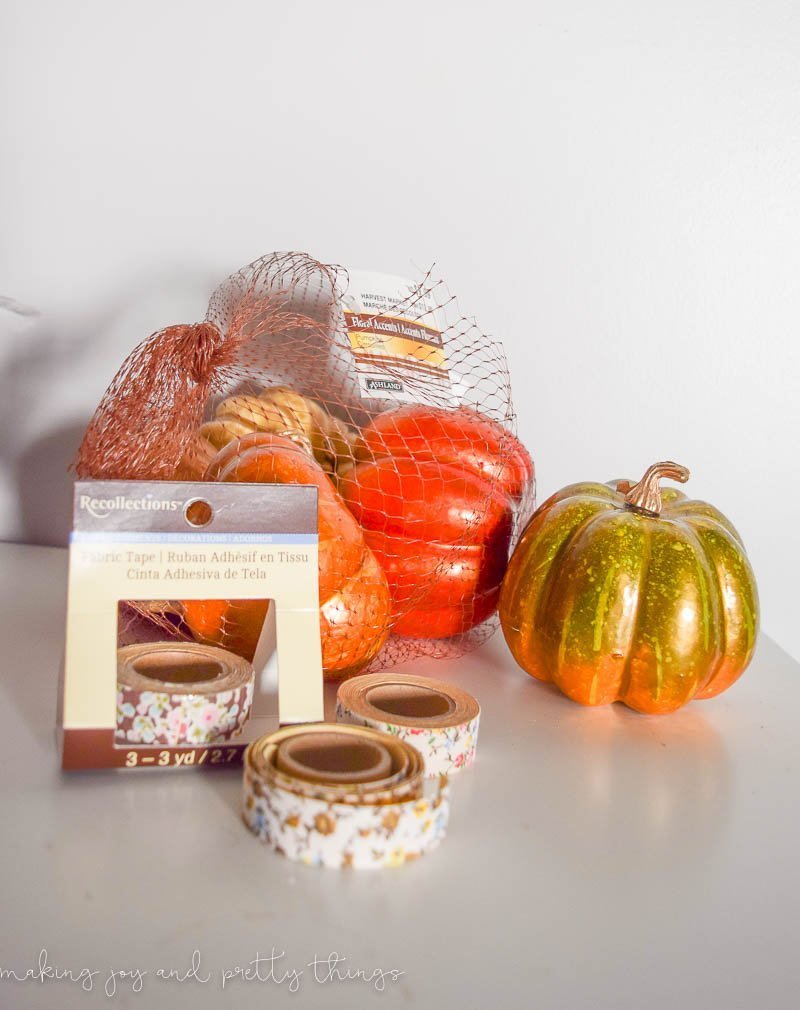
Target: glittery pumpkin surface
(613,605)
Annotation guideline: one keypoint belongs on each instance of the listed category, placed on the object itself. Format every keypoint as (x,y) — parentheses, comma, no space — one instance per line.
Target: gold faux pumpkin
(631,593)
(277,411)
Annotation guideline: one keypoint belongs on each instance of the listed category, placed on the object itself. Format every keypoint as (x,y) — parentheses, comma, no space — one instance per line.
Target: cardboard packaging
(141,686)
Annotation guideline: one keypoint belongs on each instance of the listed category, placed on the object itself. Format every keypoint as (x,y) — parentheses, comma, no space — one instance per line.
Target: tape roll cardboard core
(341,764)
(409,700)
(333,757)
(178,668)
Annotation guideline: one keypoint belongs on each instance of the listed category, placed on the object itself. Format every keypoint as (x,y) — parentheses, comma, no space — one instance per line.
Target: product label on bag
(396,336)
(189,566)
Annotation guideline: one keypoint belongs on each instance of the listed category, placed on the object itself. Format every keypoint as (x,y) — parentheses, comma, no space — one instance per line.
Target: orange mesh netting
(401,417)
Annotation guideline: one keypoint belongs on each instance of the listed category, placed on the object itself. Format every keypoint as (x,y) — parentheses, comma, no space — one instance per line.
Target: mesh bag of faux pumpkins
(374,389)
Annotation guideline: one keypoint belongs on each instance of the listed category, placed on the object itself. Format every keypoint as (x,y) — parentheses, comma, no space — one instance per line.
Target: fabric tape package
(342,797)
(439,719)
(156,673)
(181,695)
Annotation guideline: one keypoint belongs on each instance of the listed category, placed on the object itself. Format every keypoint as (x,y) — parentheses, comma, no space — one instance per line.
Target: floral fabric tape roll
(342,796)
(178,694)
(439,719)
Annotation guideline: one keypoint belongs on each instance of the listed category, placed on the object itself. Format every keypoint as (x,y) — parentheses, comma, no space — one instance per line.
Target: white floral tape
(177,694)
(350,828)
(439,719)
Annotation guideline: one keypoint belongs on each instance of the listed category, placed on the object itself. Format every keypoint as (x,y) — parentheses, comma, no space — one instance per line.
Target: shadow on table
(226,786)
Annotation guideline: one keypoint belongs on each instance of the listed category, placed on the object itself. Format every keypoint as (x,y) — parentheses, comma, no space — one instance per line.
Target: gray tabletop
(595,858)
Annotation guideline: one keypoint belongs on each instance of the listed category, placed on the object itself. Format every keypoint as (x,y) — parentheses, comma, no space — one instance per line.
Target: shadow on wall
(44,485)
(53,372)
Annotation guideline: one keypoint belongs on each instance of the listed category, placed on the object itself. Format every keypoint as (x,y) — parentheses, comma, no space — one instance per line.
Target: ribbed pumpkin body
(611,604)
(435,492)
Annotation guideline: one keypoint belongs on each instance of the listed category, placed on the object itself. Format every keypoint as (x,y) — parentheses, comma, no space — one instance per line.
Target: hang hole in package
(192,621)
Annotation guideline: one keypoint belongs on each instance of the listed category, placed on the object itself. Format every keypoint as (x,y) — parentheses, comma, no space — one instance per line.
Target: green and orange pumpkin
(631,593)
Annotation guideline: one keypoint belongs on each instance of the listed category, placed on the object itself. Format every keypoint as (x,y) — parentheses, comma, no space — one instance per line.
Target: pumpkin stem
(645,497)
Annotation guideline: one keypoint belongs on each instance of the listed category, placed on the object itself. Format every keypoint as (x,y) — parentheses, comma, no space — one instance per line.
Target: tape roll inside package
(439,719)
(342,796)
(177,694)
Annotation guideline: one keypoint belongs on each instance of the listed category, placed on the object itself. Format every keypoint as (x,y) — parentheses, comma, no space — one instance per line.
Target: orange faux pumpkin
(435,491)
(355,607)
(234,625)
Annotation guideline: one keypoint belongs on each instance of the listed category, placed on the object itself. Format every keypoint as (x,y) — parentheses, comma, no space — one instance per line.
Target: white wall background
(612,186)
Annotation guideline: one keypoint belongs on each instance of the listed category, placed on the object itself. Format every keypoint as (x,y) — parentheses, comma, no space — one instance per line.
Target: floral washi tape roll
(439,719)
(342,796)
(178,694)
